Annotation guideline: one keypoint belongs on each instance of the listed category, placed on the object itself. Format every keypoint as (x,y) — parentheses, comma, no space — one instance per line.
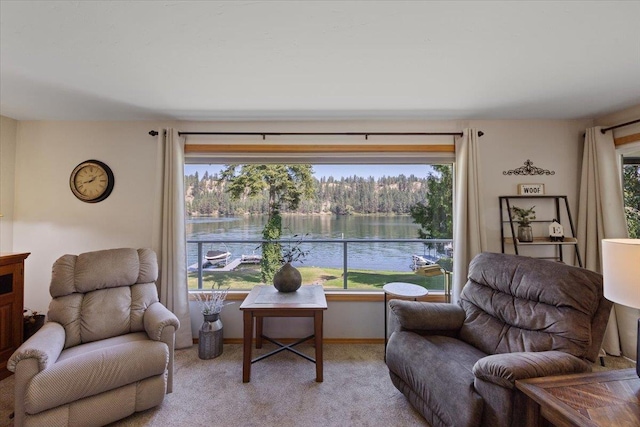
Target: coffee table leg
(317,325)
(246,345)
(259,331)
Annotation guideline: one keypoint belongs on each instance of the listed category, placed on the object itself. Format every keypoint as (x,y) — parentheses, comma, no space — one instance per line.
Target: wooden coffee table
(265,301)
(608,398)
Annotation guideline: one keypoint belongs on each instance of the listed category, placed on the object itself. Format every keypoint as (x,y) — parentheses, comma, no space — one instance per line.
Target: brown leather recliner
(518,318)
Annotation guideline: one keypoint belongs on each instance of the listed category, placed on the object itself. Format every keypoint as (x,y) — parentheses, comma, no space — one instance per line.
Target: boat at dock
(217,257)
(251,259)
(224,263)
(420,260)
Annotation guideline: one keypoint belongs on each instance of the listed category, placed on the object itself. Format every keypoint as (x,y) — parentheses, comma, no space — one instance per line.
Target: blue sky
(337,171)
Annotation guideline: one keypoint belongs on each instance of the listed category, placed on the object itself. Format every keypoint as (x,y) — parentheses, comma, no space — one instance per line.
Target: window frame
(390,153)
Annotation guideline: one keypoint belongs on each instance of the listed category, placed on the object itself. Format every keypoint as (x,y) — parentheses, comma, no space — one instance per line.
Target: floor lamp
(621,271)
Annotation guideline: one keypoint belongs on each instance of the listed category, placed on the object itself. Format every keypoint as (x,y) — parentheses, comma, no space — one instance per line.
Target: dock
(232,265)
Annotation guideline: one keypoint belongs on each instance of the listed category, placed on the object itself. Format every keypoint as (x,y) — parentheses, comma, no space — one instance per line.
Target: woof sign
(530,189)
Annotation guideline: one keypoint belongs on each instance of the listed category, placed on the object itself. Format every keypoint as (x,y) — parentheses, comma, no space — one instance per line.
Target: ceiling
(301,60)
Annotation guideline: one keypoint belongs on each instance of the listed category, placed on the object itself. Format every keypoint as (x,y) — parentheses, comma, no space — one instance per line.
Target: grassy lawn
(331,278)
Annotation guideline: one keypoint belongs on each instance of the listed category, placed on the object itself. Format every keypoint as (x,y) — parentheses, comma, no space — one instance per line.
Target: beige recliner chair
(106,350)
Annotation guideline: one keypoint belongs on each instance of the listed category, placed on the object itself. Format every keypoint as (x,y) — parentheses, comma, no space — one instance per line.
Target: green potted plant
(288,278)
(524,217)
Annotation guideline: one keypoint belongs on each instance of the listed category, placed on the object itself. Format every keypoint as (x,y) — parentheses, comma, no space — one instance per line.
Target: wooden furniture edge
(556,411)
(7,258)
(578,379)
(628,139)
(316,148)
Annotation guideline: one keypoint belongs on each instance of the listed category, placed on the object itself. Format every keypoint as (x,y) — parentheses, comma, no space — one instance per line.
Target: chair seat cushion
(94,368)
(438,369)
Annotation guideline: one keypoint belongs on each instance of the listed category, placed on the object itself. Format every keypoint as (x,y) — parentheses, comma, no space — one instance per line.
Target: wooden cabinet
(11,306)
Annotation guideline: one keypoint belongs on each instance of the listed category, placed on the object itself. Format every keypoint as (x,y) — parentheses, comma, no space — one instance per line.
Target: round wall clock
(91,181)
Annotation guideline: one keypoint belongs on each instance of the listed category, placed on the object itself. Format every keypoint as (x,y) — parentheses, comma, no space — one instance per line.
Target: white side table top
(402,289)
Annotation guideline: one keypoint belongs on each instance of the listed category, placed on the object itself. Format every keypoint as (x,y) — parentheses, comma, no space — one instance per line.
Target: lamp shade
(621,271)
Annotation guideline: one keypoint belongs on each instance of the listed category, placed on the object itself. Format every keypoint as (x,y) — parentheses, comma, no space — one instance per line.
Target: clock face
(91,181)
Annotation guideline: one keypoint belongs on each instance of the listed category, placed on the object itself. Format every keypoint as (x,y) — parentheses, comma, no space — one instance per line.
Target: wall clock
(91,181)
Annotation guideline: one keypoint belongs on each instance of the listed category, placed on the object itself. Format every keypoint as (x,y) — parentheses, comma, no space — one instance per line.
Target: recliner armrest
(156,318)
(44,346)
(504,369)
(425,316)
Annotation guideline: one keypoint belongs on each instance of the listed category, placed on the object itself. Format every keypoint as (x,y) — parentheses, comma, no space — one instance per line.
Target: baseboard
(325,340)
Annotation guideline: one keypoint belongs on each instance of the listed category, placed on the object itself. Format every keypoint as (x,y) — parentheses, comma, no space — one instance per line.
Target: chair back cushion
(102,294)
(515,303)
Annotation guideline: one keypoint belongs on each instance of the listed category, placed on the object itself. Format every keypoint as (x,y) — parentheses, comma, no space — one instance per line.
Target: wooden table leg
(529,415)
(317,325)
(259,331)
(246,345)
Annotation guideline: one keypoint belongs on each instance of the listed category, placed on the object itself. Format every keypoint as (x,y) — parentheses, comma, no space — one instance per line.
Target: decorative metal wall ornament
(528,169)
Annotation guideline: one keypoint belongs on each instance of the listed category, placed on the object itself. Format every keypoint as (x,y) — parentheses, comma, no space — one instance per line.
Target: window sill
(342,296)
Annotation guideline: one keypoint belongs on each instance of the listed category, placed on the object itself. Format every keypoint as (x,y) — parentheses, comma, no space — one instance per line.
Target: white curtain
(170,241)
(469,237)
(601,211)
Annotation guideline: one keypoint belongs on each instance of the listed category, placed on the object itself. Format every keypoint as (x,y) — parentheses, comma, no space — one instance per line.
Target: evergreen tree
(631,175)
(435,217)
(286,186)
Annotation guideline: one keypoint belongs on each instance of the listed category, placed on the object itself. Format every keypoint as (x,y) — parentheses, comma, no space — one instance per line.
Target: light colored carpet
(283,392)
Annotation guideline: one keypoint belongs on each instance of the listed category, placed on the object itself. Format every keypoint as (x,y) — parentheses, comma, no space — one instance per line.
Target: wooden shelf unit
(542,241)
(569,240)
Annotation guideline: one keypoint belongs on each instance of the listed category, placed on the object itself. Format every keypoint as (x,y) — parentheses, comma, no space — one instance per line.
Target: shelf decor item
(524,217)
(528,169)
(556,231)
(530,189)
(210,335)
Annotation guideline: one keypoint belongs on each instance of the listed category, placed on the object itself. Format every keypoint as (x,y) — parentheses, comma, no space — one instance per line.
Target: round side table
(401,290)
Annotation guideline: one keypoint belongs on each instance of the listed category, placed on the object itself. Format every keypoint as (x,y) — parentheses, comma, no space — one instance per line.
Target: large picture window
(360,225)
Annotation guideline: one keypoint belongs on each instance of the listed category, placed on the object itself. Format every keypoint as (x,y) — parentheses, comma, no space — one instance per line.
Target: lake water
(366,255)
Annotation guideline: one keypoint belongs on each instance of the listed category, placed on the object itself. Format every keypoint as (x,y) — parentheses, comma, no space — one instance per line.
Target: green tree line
(631,175)
(208,195)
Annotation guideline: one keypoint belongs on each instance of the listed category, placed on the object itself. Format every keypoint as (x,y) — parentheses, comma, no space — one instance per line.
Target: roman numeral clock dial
(91,181)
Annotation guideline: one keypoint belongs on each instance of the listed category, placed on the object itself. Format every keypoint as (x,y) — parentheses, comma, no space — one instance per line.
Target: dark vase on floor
(287,279)
(31,326)
(210,337)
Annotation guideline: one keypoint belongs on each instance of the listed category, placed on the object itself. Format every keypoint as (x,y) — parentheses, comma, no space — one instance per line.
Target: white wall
(552,145)
(8,129)
(49,221)
(342,320)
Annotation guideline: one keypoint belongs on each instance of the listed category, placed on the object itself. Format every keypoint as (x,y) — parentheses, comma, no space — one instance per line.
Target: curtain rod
(619,126)
(365,134)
